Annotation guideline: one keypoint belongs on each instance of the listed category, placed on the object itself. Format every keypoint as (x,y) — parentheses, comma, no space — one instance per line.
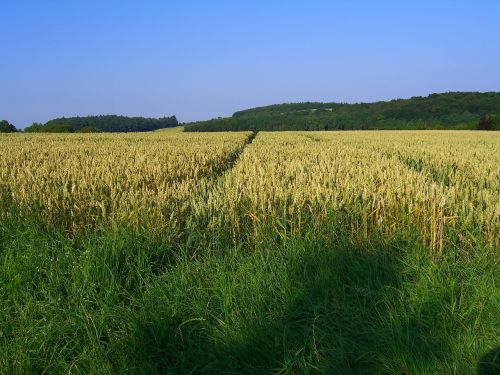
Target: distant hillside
(454,110)
(109,123)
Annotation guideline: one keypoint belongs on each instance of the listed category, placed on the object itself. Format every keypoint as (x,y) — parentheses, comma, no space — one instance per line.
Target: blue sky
(203,59)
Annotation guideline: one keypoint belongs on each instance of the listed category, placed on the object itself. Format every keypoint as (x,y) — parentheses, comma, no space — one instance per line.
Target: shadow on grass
(297,309)
(490,363)
(124,302)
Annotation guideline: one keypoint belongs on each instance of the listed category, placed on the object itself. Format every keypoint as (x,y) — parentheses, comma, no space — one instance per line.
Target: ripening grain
(375,181)
(139,179)
(435,183)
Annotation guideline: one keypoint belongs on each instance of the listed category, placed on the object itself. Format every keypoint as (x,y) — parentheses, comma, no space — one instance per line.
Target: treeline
(454,110)
(6,127)
(104,123)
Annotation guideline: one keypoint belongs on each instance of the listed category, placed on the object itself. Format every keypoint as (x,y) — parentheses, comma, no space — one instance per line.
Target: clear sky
(204,59)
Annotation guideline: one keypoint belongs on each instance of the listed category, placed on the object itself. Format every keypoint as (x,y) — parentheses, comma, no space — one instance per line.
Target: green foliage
(6,127)
(485,123)
(112,123)
(89,129)
(437,111)
(489,122)
(49,128)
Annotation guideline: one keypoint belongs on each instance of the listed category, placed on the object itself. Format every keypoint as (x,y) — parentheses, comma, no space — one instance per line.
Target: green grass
(119,301)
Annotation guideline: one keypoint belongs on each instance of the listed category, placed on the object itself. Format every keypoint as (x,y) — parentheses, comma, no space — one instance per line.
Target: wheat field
(438,182)
(287,252)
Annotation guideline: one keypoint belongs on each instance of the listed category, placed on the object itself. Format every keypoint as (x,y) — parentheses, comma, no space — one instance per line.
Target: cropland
(294,252)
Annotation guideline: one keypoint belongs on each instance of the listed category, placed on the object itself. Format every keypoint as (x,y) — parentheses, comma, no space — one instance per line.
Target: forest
(453,110)
(103,123)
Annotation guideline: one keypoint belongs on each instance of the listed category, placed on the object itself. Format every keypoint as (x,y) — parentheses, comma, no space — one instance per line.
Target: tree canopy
(454,110)
(104,123)
(6,127)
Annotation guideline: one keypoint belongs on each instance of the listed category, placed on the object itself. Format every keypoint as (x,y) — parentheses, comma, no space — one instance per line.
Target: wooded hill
(108,123)
(453,110)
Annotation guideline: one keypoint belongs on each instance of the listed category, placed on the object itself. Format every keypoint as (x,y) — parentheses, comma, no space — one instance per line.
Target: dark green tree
(485,123)
(6,127)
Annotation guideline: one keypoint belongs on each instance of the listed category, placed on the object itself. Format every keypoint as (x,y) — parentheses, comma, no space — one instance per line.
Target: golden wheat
(381,181)
(78,180)
(375,182)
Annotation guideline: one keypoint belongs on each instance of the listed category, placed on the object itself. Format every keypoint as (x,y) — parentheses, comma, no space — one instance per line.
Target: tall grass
(123,301)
